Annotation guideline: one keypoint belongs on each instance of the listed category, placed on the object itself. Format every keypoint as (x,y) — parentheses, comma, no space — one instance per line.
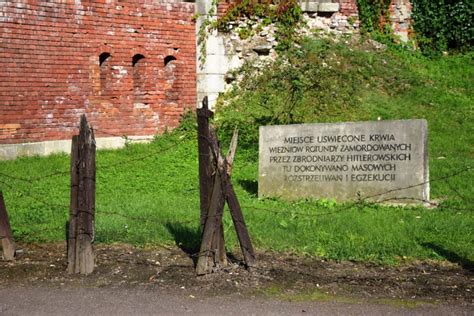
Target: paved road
(109,301)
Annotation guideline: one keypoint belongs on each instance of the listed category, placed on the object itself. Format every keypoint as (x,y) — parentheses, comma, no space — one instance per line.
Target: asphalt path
(109,301)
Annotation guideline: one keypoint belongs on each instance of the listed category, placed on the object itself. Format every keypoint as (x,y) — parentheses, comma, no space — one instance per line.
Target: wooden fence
(216,189)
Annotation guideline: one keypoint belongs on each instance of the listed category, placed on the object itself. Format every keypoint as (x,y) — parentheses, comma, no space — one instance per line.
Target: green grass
(148,194)
(280,291)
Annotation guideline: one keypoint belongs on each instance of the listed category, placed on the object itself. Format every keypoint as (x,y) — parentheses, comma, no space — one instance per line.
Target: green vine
(285,14)
(205,28)
(288,17)
(439,25)
(374,16)
(244,9)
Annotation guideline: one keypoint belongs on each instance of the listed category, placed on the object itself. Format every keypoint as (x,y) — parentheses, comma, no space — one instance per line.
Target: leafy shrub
(443,25)
(439,25)
(285,14)
(320,81)
(373,14)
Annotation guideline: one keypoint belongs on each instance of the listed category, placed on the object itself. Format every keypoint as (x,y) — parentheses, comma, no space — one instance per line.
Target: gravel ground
(158,280)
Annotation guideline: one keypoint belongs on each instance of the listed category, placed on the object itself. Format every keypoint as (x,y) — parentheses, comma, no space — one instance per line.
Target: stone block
(328,7)
(203,6)
(215,64)
(382,161)
(234,61)
(262,49)
(56,146)
(309,6)
(7,152)
(212,99)
(211,83)
(215,45)
(220,64)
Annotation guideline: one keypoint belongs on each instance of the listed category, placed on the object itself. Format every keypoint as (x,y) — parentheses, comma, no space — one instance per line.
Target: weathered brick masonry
(130,65)
(348,7)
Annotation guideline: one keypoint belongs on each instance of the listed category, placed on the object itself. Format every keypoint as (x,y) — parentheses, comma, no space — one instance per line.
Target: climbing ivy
(373,16)
(442,25)
(288,16)
(204,29)
(285,14)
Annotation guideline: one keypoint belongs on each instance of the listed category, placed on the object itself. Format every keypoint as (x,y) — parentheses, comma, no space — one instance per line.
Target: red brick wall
(50,70)
(400,16)
(348,7)
(223,6)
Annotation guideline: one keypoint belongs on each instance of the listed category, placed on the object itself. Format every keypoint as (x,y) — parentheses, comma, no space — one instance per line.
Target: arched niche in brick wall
(139,75)
(169,59)
(171,93)
(105,70)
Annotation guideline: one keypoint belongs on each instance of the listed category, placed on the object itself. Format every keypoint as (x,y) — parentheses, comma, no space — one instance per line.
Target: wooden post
(72,232)
(215,189)
(238,220)
(218,242)
(207,253)
(82,210)
(215,245)
(8,243)
(231,198)
(205,165)
(231,153)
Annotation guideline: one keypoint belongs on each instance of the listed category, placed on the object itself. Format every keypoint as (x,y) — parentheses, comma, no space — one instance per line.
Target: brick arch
(105,71)
(171,76)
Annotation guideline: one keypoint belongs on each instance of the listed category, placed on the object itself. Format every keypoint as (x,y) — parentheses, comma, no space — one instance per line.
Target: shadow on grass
(251,186)
(451,256)
(187,239)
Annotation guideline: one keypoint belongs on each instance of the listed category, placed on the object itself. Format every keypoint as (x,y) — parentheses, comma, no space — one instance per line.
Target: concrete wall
(217,61)
(12,151)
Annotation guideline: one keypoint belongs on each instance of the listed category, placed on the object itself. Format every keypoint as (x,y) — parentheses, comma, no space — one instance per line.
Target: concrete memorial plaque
(377,161)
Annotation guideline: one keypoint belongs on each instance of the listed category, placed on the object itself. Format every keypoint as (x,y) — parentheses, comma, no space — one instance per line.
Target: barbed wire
(454,190)
(37,199)
(153,153)
(34,179)
(30,180)
(467,169)
(310,213)
(361,202)
(144,157)
(64,209)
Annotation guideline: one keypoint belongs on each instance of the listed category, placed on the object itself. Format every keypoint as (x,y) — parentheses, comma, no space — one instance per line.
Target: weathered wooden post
(73,206)
(8,243)
(216,188)
(224,167)
(215,255)
(205,166)
(208,259)
(82,207)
